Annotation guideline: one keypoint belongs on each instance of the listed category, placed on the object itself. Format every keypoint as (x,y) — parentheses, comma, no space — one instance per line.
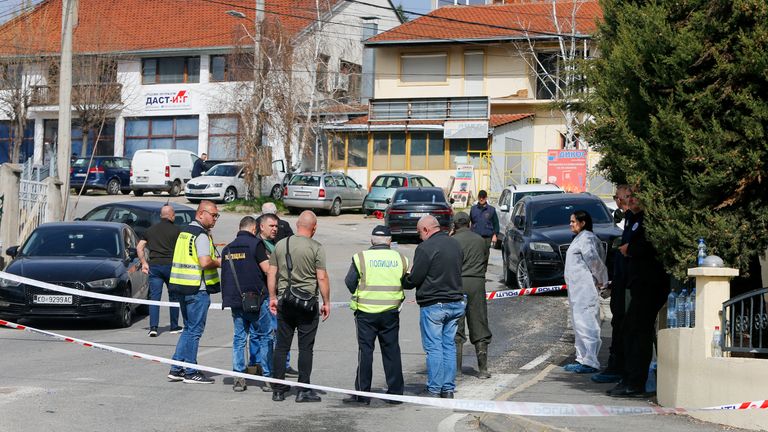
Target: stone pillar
(53,204)
(10,176)
(713,288)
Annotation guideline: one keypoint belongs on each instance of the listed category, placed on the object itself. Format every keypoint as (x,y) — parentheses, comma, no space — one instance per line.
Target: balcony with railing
(88,94)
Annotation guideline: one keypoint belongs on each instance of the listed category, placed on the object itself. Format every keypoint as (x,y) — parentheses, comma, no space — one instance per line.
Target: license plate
(52,299)
(418,215)
(301,194)
(79,174)
(141,179)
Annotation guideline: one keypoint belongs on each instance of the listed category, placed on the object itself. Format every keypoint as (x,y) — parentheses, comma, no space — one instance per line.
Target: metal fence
(745,323)
(33,196)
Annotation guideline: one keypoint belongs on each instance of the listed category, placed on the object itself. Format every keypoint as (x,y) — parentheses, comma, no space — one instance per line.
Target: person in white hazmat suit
(585,275)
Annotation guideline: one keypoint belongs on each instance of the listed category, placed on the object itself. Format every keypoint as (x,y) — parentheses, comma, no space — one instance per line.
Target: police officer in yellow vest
(374,281)
(194,276)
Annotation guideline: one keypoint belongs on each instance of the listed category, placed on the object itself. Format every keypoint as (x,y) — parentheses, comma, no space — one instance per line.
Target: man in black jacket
(436,275)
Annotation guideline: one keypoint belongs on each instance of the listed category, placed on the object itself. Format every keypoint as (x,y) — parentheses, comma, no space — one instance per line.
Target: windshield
(305,180)
(519,195)
(64,242)
(555,214)
(417,195)
(223,171)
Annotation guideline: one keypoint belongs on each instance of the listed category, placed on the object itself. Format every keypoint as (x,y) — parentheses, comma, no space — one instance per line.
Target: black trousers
(640,330)
(290,321)
(385,327)
(476,316)
(618,310)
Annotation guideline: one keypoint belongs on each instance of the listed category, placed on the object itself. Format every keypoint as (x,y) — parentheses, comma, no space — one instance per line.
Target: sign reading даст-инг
(167,100)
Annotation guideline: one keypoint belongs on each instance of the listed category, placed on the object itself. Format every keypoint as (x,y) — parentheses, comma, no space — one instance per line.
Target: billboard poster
(567,169)
(462,185)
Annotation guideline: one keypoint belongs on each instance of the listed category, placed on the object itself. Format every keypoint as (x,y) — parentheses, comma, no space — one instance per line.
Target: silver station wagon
(331,191)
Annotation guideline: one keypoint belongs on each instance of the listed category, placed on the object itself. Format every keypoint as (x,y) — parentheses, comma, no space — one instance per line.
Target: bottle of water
(680,307)
(692,307)
(717,351)
(671,310)
(702,252)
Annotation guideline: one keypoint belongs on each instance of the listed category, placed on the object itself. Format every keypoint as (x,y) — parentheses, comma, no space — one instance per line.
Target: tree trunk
(84,145)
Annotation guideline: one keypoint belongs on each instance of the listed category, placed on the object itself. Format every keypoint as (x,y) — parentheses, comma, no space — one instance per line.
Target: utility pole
(64,149)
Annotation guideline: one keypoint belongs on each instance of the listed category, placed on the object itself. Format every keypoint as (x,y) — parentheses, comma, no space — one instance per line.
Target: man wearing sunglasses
(194,276)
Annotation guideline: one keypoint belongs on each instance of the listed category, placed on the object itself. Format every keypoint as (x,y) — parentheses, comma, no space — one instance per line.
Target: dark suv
(538,236)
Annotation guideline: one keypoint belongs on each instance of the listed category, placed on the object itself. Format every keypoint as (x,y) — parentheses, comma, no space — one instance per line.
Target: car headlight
(7,283)
(541,247)
(109,283)
(218,185)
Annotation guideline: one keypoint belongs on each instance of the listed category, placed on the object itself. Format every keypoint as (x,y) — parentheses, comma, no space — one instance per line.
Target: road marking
(537,361)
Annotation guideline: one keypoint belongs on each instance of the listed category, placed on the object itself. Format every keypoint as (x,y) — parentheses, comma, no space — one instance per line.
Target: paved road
(45,384)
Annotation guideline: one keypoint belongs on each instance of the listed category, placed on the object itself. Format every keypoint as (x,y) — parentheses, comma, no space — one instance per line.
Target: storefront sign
(167,100)
(453,129)
(462,185)
(568,169)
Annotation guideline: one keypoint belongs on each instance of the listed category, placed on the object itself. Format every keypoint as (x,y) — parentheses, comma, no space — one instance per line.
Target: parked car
(537,239)
(161,170)
(277,190)
(109,173)
(224,182)
(139,215)
(331,191)
(408,205)
(514,193)
(93,256)
(384,185)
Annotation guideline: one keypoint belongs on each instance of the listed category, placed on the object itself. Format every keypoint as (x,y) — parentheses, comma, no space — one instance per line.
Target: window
(349,79)
(547,81)
(351,183)
(233,67)
(223,137)
(321,76)
(419,68)
(358,151)
(380,151)
(474,65)
(436,151)
(397,151)
(337,153)
(93,70)
(460,148)
(11,76)
(106,142)
(418,150)
(161,133)
(170,70)
(6,142)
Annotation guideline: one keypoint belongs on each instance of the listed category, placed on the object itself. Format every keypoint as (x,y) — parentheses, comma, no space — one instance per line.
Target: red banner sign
(568,169)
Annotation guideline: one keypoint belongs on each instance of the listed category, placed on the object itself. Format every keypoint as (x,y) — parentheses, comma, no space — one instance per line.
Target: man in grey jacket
(436,275)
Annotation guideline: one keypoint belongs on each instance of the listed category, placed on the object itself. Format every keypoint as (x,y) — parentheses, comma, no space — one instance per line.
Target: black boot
(481,348)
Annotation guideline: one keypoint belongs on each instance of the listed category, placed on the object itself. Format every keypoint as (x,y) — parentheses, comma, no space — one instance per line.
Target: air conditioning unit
(342,82)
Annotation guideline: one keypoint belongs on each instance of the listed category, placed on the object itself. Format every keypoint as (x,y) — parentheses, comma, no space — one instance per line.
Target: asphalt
(554,385)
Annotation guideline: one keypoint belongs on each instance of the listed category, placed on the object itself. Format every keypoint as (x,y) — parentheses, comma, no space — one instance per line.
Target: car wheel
(113,187)
(367,212)
(123,316)
(277,192)
(175,188)
(230,195)
(335,207)
(522,275)
(138,193)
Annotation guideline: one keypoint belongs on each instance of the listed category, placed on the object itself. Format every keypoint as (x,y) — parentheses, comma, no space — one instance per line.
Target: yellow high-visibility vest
(186,274)
(379,289)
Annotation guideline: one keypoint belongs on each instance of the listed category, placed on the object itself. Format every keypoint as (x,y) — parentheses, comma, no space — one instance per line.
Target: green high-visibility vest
(186,274)
(379,289)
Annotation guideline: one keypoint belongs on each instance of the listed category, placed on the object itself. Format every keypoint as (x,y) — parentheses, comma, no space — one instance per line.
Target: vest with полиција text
(186,273)
(379,289)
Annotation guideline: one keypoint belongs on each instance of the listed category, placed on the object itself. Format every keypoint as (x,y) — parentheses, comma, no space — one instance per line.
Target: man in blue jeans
(160,240)
(436,275)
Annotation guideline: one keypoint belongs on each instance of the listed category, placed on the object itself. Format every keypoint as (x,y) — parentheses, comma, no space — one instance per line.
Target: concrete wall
(688,375)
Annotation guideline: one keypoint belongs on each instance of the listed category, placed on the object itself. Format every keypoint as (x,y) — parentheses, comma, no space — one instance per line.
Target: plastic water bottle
(717,351)
(692,307)
(702,252)
(650,383)
(671,310)
(682,298)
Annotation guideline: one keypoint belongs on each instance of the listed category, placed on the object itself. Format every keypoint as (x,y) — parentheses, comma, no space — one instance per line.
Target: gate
(745,323)
(33,198)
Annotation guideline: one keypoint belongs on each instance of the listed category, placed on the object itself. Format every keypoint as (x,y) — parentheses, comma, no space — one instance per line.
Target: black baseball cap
(461,218)
(382,230)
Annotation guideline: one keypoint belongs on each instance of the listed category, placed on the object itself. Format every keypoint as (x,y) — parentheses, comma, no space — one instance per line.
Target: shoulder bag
(251,300)
(294,297)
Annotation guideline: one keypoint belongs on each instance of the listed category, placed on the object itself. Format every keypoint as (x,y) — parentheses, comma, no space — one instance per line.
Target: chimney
(370,29)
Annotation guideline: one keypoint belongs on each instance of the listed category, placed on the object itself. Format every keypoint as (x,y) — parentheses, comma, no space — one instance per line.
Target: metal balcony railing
(88,94)
(745,323)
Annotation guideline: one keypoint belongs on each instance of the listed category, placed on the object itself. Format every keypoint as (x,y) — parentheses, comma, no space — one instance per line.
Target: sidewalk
(555,385)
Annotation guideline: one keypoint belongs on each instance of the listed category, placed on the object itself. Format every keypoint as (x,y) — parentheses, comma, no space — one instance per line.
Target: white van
(161,170)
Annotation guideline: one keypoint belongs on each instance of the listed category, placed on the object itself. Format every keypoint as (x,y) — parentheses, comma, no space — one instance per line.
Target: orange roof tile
(502,119)
(508,21)
(141,25)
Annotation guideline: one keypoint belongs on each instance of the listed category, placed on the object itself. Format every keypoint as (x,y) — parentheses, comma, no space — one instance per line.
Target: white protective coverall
(584,270)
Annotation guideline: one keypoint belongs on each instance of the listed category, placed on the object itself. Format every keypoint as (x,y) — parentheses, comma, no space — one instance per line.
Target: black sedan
(408,205)
(139,215)
(90,256)
(537,238)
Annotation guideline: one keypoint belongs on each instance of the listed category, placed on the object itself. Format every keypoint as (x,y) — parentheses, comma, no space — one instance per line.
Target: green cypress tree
(679,95)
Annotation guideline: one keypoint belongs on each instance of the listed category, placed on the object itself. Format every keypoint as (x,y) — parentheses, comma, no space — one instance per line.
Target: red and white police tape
(498,407)
(493,295)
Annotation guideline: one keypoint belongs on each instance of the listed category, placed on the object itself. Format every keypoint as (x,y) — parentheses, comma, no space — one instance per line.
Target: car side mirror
(388,201)
(618,215)
(519,222)
(504,208)
(12,251)
(133,253)
(451,200)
